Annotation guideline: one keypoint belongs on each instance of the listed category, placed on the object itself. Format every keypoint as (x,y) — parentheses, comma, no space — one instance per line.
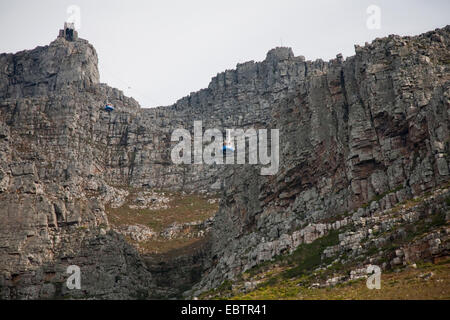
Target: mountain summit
(363,178)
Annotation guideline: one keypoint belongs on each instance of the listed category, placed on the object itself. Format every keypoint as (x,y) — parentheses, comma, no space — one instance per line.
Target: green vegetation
(380,196)
(410,232)
(447,201)
(295,275)
(336,217)
(444,61)
(407,284)
(221,291)
(168,247)
(308,256)
(299,264)
(305,258)
(181,208)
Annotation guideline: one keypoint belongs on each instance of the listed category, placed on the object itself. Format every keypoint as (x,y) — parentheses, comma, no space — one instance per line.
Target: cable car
(109,108)
(228,145)
(227,148)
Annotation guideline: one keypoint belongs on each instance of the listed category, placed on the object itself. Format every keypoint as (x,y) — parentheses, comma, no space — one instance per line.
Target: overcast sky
(160,51)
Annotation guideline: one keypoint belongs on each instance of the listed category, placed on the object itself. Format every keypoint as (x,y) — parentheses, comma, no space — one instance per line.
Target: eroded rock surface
(372,127)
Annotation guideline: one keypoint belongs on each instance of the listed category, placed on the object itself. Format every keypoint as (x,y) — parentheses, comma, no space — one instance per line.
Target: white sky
(160,51)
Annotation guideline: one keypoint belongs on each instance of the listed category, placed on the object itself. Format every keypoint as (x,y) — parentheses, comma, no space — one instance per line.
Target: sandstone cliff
(357,137)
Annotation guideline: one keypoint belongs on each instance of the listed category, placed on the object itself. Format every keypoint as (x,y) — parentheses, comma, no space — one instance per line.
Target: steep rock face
(50,68)
(52,154)
(240,98)
(372,126)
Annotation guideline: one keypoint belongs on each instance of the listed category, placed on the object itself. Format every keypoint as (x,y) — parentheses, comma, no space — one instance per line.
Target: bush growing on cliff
(308,256)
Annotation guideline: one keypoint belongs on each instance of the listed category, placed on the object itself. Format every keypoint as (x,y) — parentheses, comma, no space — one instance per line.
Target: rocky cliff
(357,137)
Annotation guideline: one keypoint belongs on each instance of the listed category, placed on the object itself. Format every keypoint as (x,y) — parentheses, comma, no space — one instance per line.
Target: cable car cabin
(109,108)
(227,145)
(227,148)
